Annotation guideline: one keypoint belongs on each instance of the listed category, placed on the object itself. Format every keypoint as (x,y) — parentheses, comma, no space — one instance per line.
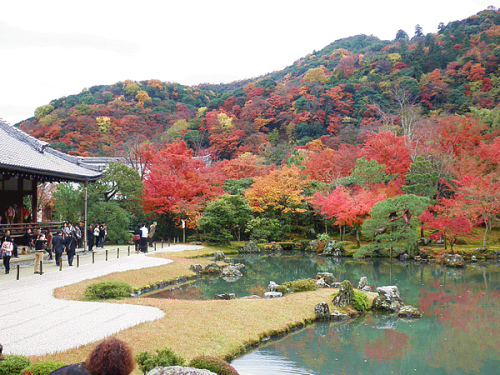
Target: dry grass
(217,328)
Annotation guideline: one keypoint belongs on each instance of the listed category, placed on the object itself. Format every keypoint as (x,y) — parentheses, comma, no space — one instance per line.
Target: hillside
(338,94)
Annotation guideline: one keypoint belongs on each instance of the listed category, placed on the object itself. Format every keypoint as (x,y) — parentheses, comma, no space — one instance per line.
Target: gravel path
(36,323)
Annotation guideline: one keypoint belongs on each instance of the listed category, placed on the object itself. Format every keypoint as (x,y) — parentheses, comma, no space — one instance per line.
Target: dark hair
(110,357)
(70,370)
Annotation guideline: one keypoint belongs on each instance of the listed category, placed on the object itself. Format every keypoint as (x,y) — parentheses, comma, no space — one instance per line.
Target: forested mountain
(337,94)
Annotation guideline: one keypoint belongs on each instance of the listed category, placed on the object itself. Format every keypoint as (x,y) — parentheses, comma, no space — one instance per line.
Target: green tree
(394,221)
(68,202)
(422,179)
(225,218)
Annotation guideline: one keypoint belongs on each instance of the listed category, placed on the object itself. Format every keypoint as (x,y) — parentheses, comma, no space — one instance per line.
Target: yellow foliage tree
(104,124)
(316,75)
(280,190)
(142,96)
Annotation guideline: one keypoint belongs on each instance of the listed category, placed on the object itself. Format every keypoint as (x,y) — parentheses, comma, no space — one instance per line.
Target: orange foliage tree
(280,191)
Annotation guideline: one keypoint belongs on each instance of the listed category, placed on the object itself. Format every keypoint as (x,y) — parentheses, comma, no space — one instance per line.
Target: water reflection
(459,333)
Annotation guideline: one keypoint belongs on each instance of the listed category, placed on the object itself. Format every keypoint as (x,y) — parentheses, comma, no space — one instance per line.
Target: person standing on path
(144,238)
(152,230)
(96,235)
(39,243)
(58,246)
(7,250)
(102,235)
(90,237)
(70,242)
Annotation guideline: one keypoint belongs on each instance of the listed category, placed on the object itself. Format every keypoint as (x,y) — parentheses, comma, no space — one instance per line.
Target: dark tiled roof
(20,152)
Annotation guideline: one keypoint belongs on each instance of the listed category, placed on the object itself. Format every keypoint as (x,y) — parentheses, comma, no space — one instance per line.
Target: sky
(50,49)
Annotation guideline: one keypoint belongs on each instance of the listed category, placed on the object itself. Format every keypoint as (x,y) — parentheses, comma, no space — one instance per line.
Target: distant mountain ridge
(351,86)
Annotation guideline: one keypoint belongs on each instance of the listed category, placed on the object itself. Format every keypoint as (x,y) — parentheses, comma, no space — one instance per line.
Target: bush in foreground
(42,368)
(13,364)
(108,290)
(217,365)
(163,358)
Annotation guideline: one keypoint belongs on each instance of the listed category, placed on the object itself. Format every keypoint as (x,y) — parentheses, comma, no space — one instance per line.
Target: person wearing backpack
(7,250)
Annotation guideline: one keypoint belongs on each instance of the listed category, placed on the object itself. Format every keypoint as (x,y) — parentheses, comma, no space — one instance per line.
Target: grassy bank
(192,328)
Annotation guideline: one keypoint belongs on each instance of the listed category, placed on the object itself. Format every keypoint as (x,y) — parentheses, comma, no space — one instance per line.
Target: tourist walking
(152,230)
(28,239)
(79,234)
(49,243)
(144,238)
(7,249)
(58,246)
(40,241)
(90,237)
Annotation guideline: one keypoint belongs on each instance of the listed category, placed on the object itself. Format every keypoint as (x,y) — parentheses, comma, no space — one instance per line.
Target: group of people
(14,214)
(96,235)
(144,236)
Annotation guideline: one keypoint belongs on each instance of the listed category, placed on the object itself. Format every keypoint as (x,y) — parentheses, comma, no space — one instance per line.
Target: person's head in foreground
(110,357)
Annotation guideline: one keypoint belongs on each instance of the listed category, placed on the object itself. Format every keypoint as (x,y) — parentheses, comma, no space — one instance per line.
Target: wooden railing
(19,229)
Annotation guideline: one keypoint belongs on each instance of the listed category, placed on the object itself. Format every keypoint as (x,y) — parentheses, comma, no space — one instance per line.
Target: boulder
(313,246)
(327,276)
(329,248)
(388,299)
(250,247)
(198,268)
(212,268)
(473,258)
(231,270)
(178,370)
(320,283)
(225,296)
(273,294)
(453,260)
(345,294)
(219,256)
(362,282)
(272,286)
(322,311)
(338,316)
(276,247)
(409,312)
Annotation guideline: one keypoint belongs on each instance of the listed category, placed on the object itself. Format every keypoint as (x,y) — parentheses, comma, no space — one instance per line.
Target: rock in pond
(388,299)
(327,276)
(219,256)
(225,296)
(322,311)
(338,316)
(250,247)
(453,260)
(409,312)
(212,268)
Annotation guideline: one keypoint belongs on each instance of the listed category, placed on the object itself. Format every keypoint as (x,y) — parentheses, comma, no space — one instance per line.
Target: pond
(459,333)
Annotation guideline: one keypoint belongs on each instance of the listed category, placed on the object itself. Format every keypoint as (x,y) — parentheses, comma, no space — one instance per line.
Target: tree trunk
(358,245)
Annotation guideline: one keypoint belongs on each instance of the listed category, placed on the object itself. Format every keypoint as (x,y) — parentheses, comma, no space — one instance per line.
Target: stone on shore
(178,370)
(322,311)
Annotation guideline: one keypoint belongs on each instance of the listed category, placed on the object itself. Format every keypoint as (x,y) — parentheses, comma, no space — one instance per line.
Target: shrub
(325,237)
(42,368)
(13,364)
(108,290)
(303,285)
(217,365)
(165,357)
(360,301)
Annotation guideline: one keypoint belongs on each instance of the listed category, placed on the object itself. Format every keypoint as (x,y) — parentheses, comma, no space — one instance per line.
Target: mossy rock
(302,285)
(345,295)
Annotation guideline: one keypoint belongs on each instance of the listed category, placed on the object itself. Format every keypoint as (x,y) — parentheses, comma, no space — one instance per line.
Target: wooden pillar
(85,184)
(34,201)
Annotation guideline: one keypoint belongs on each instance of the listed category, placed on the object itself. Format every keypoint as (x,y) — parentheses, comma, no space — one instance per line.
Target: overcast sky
(51,48)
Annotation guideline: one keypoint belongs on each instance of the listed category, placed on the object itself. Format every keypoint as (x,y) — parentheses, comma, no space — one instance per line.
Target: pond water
(459,333)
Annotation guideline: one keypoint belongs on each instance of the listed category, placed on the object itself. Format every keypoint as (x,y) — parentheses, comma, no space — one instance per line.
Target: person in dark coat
(58,246)
(70,242)
(137,238)
(90,237)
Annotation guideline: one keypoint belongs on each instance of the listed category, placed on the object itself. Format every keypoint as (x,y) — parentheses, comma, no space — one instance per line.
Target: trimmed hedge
(108,290)
(13,364)
(217,365)
(42,368)
(360,301)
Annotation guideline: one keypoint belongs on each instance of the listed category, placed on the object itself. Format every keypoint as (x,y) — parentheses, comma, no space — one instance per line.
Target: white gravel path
(35,323)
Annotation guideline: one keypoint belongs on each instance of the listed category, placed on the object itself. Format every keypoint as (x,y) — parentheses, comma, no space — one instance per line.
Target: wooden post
(117,253)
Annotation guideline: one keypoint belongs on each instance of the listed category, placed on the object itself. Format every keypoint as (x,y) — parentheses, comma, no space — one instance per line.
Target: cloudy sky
(51,48)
